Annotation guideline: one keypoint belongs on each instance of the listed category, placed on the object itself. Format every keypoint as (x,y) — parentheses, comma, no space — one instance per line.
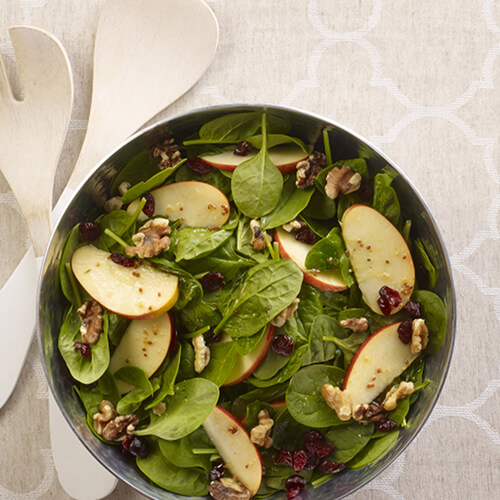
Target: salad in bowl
(246,310)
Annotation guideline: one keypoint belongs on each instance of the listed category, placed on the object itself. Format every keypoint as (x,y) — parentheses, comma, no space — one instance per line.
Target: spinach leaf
(85,370)
(187,409)
(270,393)
(334,301)
(116,327)
(222,359)
(290,204)
(132,400)
(198,314)
(434,312)
(319,228)
(267,290)
(320,207)
(385,199)
(320,351)
(120,223)
(349,440)
(287,432)
(330,254)
(167,380)
(257,183)
(243,242)
(67,284)
(152,183)
(270,365)
(244,345)
(184,481)
(344,201)
(252,413)
(139,168)
(214,177)
(92,395)
(303,397)
(195,243)
(310,306)
(180,451)
(375,449)
(276,140)
(186,367)
(424,261)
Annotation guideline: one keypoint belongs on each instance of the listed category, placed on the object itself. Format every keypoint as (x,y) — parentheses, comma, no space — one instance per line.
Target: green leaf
(91,396)
(320,351)
(187,409)
(230,128)
(198,314)
(375,450)
(222,359)
(320,207)
(244,239)
(257,183)
(120,223)
(287,432)
(385,199)
(277,139)
(195,243)
(349,440)
(214,177)
(67,284)
(424,260)
(434,313)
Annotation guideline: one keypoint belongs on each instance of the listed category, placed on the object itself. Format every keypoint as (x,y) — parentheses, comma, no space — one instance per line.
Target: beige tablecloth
(421,80)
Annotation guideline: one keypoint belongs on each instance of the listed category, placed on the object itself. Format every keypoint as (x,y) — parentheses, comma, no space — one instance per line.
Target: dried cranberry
(283,457)
(242,148)
(126,444)
(83,348)
(123,260)
(387,425)
(312,461)
(217,471)
(405,331)
(149,207)
(282,345)
(330,467)
(414,309)
(136,446)
(295,481)
(90,230)
(299,460)
(305,235)
(292,492)
(198,166)
(365,191)
(174,342)
(212,281)
(315,443)
(212,338)
(388,300)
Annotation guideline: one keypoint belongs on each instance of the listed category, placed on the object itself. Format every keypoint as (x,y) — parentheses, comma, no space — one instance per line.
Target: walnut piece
(112,427)
(308,169)
(419,336)
(338,400)
(369,413)
(260,434)
(228,489)
(160,409)
(151,239)
(113,204)
(342,180)
(201,353)
(258,240)
(168,153)
(293,226)
(124,187)
(286,314)
(91,314)
(355,324)
(396,393)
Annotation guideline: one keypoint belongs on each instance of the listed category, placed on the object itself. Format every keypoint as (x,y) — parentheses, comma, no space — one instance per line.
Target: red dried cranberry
(212,281)
(123,260)
(136,446)
(242,148)
(295,481)
(149,207)
(388,300)
(405,331)
(365,191)
(217,471)
(198,166)
(315,443)
(387,425)
(83,348)
(212,338)
(282,345)
(283,457)
(292,492)
(299,460)
(329,467)
(174,342)
(90,230)
(312,461)
(305,235)
(414,309)
(126,444)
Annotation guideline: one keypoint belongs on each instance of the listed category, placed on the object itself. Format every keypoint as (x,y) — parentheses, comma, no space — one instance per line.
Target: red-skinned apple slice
(379,255)
(284,156)
(234,446)
(135,293)
(144,344)
(297,251)
(246,363)
(198,204)
(379,360)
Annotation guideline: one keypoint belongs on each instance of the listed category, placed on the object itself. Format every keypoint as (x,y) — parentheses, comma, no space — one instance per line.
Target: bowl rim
(242,107)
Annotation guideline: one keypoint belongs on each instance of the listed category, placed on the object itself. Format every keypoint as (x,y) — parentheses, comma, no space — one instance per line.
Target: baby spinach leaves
(195,243)
(303,397)
(374,450)
(276,140)
(69,286)
(222,359)
(320,351)
(214,177)
(385,199)
(142,389)
(187,409)
(429,277)
(244,239)
(257,183)
(434,312)
(349,440)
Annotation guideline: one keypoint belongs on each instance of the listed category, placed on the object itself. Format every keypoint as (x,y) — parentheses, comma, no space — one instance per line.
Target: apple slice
(234,446)
(379,360)
(246,363)
(197,204)
(145,345)
(379,255)
(297,251)
(133,292)
(284,156)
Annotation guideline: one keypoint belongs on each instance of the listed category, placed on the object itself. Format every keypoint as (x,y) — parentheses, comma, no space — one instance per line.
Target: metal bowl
(94,191)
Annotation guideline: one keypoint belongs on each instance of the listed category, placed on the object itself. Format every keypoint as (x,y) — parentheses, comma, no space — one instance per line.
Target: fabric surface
(418,78)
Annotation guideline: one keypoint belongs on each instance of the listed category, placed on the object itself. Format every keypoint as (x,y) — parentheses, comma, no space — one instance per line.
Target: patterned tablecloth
(421,80)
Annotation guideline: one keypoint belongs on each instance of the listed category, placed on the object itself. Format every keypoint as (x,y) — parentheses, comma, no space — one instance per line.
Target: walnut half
(201,353)
(338,400)
(419,336)
(396,393)
(260,434)
(308,169)
(355,324)
(369,413)
(228,489)
(341,180)
(168,153)
(151,239)
(91,314)
(112,427)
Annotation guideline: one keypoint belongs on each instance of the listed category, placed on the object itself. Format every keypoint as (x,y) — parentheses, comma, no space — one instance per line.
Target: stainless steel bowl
(93,192)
